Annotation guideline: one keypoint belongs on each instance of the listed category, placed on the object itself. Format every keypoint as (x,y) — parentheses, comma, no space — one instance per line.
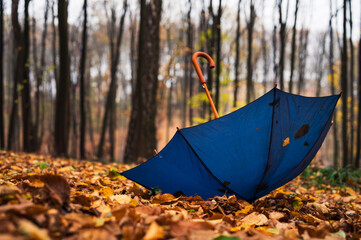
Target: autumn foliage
(47,198)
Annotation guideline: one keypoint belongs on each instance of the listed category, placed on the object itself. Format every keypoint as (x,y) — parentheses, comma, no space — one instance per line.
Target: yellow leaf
(154,232)
(286,142)
(106,192)
(268,231)
(245,210)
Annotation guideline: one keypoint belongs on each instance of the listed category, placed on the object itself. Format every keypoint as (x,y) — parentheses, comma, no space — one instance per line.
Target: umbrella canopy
(247,153)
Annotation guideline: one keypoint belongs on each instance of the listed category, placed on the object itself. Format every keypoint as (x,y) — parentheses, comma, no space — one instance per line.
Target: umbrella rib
(270,144)
(208,170)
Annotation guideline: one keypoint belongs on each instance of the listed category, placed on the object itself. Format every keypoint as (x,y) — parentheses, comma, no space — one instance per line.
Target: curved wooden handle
(198,68)
(201,78)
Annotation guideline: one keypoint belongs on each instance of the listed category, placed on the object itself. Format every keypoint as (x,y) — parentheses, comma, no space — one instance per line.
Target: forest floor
(51,198)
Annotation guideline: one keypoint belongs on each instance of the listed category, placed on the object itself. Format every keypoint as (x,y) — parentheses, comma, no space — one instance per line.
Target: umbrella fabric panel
(176,169)
(300,125)
(235,146)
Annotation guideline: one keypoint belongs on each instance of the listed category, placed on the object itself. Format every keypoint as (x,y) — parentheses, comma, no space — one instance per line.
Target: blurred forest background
(115,82)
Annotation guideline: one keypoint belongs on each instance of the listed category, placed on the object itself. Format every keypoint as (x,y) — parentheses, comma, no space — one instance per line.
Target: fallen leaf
(286,142)
(56,187)
(32,230)
(154,232)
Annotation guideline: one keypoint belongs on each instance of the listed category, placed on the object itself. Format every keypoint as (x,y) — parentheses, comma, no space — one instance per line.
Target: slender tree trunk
(62,107)
(25,83)
(293,51)
(188,59)
(82,83)
(18,73)
(274,55)
(351,88)
(320,66)
(344,86)
(236,64)
(358,135)
(282,33)
(250,26)
(53,45)
(2,127)
(133,49)
(333,91)
(110,109)
(211,48)
(303,54)
(141,139)
(218,54)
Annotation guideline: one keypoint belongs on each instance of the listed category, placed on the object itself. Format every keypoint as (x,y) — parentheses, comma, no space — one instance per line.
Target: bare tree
(344,85)
(18,72)
(333,91)
(82,83)
(302,58)
(293,51)
(358,135)
(141,139)
(114,47)
(236,64)
(250,27)
(218,53)
(283,24)
(62,107)
(351,89)
(319,63)
(2,128)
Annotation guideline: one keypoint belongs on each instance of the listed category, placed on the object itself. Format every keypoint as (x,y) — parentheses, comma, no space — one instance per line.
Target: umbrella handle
(201,78)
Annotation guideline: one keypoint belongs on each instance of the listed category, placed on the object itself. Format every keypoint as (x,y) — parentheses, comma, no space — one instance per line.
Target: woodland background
(114,84)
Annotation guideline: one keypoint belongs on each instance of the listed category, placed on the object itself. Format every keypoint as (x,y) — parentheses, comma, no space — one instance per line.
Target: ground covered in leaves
(47,198)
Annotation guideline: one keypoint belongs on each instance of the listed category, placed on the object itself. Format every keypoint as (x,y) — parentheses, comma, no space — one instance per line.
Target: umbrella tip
(155,151)
(275,85)
(341,92)
(178,129)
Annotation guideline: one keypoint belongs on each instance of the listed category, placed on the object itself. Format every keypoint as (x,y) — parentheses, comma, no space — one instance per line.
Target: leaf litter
(54,198)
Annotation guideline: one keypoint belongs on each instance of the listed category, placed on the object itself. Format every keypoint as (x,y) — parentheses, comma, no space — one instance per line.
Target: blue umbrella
(247,153)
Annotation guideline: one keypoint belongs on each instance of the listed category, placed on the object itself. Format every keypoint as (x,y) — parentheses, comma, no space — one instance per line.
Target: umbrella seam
(270,144)
(208,170)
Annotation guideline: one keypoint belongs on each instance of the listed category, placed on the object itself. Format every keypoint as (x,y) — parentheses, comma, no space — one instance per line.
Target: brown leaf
(56,187)
(8,190)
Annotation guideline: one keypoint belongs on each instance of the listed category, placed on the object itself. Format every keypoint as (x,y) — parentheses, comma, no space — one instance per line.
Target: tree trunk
(358,135)
(236,64)
(110,109)
(18,73)
(2,127)
(188,60)
(333,91)
(250,26)
(218,54)
(211,48)
(303,54)
(344,87)
(319,65)
(53,45)
(62,107)
(141,139)
(82,83)
(293,51)
(351,89)
(25,83)
(283,25)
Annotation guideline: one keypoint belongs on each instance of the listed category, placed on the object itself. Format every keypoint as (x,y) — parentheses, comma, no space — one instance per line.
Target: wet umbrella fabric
(247,153)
